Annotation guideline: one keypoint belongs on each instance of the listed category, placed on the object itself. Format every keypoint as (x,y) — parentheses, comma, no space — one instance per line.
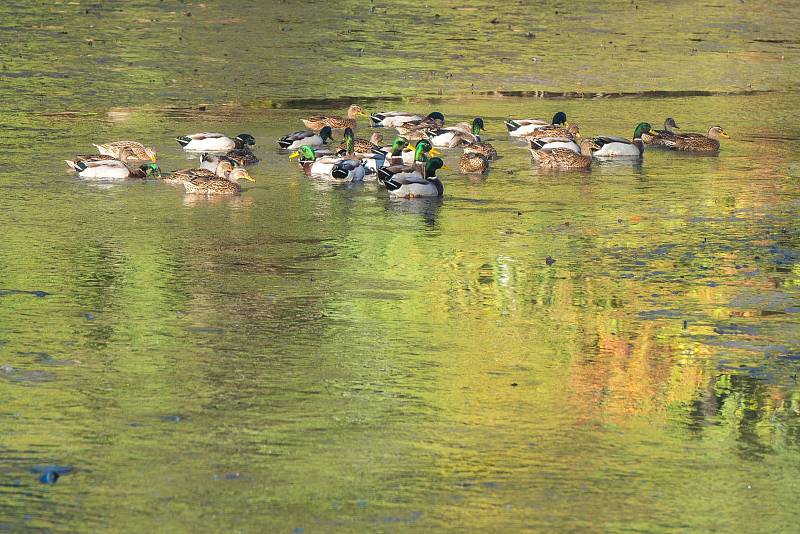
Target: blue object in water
(50,473)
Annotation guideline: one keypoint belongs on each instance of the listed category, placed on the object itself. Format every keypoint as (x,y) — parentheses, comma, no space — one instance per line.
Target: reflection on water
(580,349)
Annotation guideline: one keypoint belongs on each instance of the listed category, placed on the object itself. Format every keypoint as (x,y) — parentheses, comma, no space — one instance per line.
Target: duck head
(560,118)
(244,139)
(433,165)
(305,153)
(150,170)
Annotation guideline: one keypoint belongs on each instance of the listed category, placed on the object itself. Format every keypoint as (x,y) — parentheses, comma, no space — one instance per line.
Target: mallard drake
(127,150)
(318,122)
(215,185)
(115,169)
(521,127)
(295,140)
(458,135)
(570,131)
(473,163)
(393,119)
(214,142)
(695,142)
(433,121)
(546,143)
(608,146)
(313,163)
(75,162)
(565,158)
(657,137)
(483,148)
(394,153)
(416,185)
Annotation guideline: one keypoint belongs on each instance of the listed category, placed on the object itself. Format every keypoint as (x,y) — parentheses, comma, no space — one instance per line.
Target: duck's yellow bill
(724,134)
(445,168)
(153,159)
(249,178)
(294,155)
(435,152)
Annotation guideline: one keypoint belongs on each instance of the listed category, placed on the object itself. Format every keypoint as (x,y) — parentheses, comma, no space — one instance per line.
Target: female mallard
(483,148)
(608,146)
(242,156)
(547,143)
(214,142)
(115,169)
(433,121)
(460,134)
(318,122)
(361,146)
(658,137)
(126,150)
(473,163)
(204,182)
(565,158)
(695,142)
(295,140)
(522,127)
(569,132)
(412,186)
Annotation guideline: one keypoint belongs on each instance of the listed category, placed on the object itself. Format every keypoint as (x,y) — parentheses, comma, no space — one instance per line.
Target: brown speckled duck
(318,122)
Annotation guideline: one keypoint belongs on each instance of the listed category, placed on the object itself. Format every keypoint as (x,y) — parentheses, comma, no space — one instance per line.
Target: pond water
(316,358)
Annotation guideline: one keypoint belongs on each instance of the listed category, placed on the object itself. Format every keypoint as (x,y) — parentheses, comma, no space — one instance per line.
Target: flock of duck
(402,168)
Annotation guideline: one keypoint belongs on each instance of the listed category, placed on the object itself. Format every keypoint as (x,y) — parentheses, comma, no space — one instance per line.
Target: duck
(547,143)
(415,186)
(210,167)
(349,168)
(216,185)
(570,131)
(318,122)
(115,169)
(483,148)
(521,127)
(473,163)
(658,137)
(460,134)
(394,153)
(362,146)
(695,142)
(414,167)
(608,146)
(312,163)
(434,120)
(76,161)
(393,119)
(127,150)
(295,140)
(565,158)
(242,156)
(212,162)
(214,142)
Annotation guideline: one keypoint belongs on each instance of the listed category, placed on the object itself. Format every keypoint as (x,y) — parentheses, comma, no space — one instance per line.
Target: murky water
(314,358)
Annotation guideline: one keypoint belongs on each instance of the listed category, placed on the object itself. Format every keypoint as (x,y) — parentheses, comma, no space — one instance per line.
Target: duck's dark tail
(183,140)
(511,125)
